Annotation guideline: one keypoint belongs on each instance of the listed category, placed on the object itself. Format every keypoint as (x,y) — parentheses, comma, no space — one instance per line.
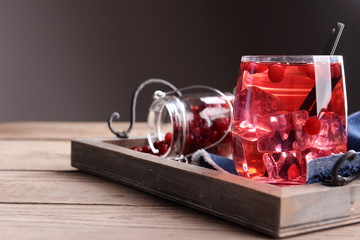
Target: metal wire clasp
(338,180)
(116,115)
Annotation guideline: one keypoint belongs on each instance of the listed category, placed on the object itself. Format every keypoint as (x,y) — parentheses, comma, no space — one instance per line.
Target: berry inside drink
(288,110)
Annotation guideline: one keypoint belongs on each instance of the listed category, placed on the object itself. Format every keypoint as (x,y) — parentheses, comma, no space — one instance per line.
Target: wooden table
(43,197)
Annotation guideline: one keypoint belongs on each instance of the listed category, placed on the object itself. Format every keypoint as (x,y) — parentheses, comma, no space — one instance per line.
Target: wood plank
(72,187)
(38,221)
(35,155)
(109,222)
(64,130)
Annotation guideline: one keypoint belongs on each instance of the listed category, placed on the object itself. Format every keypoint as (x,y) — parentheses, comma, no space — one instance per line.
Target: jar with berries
(180,125)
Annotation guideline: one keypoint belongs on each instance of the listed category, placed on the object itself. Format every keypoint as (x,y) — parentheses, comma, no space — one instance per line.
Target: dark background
(71,60)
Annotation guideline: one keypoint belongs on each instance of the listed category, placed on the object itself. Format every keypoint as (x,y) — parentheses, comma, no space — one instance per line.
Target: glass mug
(288,110)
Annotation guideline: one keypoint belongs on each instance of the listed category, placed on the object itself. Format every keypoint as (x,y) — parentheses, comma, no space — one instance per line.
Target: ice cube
(275,133)
(252,101)
(332,132)
(302,138)
(285,166)
(245,129)
(247,160)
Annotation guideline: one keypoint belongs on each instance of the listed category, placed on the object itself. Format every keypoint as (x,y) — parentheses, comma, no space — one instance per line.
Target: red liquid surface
(286,115)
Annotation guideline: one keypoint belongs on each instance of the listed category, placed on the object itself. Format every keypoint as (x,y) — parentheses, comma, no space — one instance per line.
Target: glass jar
(180,125)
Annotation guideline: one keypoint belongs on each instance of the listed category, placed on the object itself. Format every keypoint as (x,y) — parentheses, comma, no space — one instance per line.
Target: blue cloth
(321,168)
(317,170)
(354,132)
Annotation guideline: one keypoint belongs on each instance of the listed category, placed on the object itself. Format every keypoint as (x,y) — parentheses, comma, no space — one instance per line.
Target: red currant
(221,124)
(196,132)
(311,69)
(190,140)
(293,172)
(312,126)
(156,144)
(253,68)
(163,148)
(146,149)
(243,67)
(276,73)
(228,137)
(204,129)
(302,68)
(168,138)
(138,149)
(335,71)
(198,142)
(262,68)
(195,109)
(214,135)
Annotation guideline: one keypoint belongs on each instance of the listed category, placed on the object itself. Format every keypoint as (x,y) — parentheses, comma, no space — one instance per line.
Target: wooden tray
(276,211)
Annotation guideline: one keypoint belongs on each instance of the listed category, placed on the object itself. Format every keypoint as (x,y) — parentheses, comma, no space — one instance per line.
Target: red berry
(228,137)
(138,149)
(311,69)
(146,149)
(213,135)
(204,129)
(198,142)
(262,67)
(163,148)
(335,71)
(221,133)
(302,68)
(156,144)
(168,138)
(196,132)
(293,172)
(276,73)
(221,124)
(195,109)
(253,68)
(190,140)
(202,106)
(312,126)
(244,66)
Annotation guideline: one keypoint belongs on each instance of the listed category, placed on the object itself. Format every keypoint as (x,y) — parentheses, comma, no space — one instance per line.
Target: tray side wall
(322,207)
(239,204)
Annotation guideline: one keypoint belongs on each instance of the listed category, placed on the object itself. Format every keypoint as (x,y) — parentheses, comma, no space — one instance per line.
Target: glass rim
(288,58)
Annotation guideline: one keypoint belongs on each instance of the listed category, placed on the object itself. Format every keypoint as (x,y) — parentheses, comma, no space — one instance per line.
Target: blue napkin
(318,169)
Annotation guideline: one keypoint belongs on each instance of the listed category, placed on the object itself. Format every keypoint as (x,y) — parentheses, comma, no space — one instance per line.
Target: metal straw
(333,40)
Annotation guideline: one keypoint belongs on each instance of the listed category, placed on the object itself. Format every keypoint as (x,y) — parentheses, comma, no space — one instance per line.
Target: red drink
(288,110)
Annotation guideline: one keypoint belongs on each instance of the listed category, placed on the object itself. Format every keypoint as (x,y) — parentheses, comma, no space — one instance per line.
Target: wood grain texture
(43,197)
(37,221)
(64,130)
(113,222)
(68,187)
(35,155)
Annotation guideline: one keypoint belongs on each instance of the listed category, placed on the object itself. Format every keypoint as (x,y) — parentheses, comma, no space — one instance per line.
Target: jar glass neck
(167,115)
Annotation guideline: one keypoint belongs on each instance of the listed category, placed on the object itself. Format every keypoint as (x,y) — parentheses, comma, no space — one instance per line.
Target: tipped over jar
(180,125)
